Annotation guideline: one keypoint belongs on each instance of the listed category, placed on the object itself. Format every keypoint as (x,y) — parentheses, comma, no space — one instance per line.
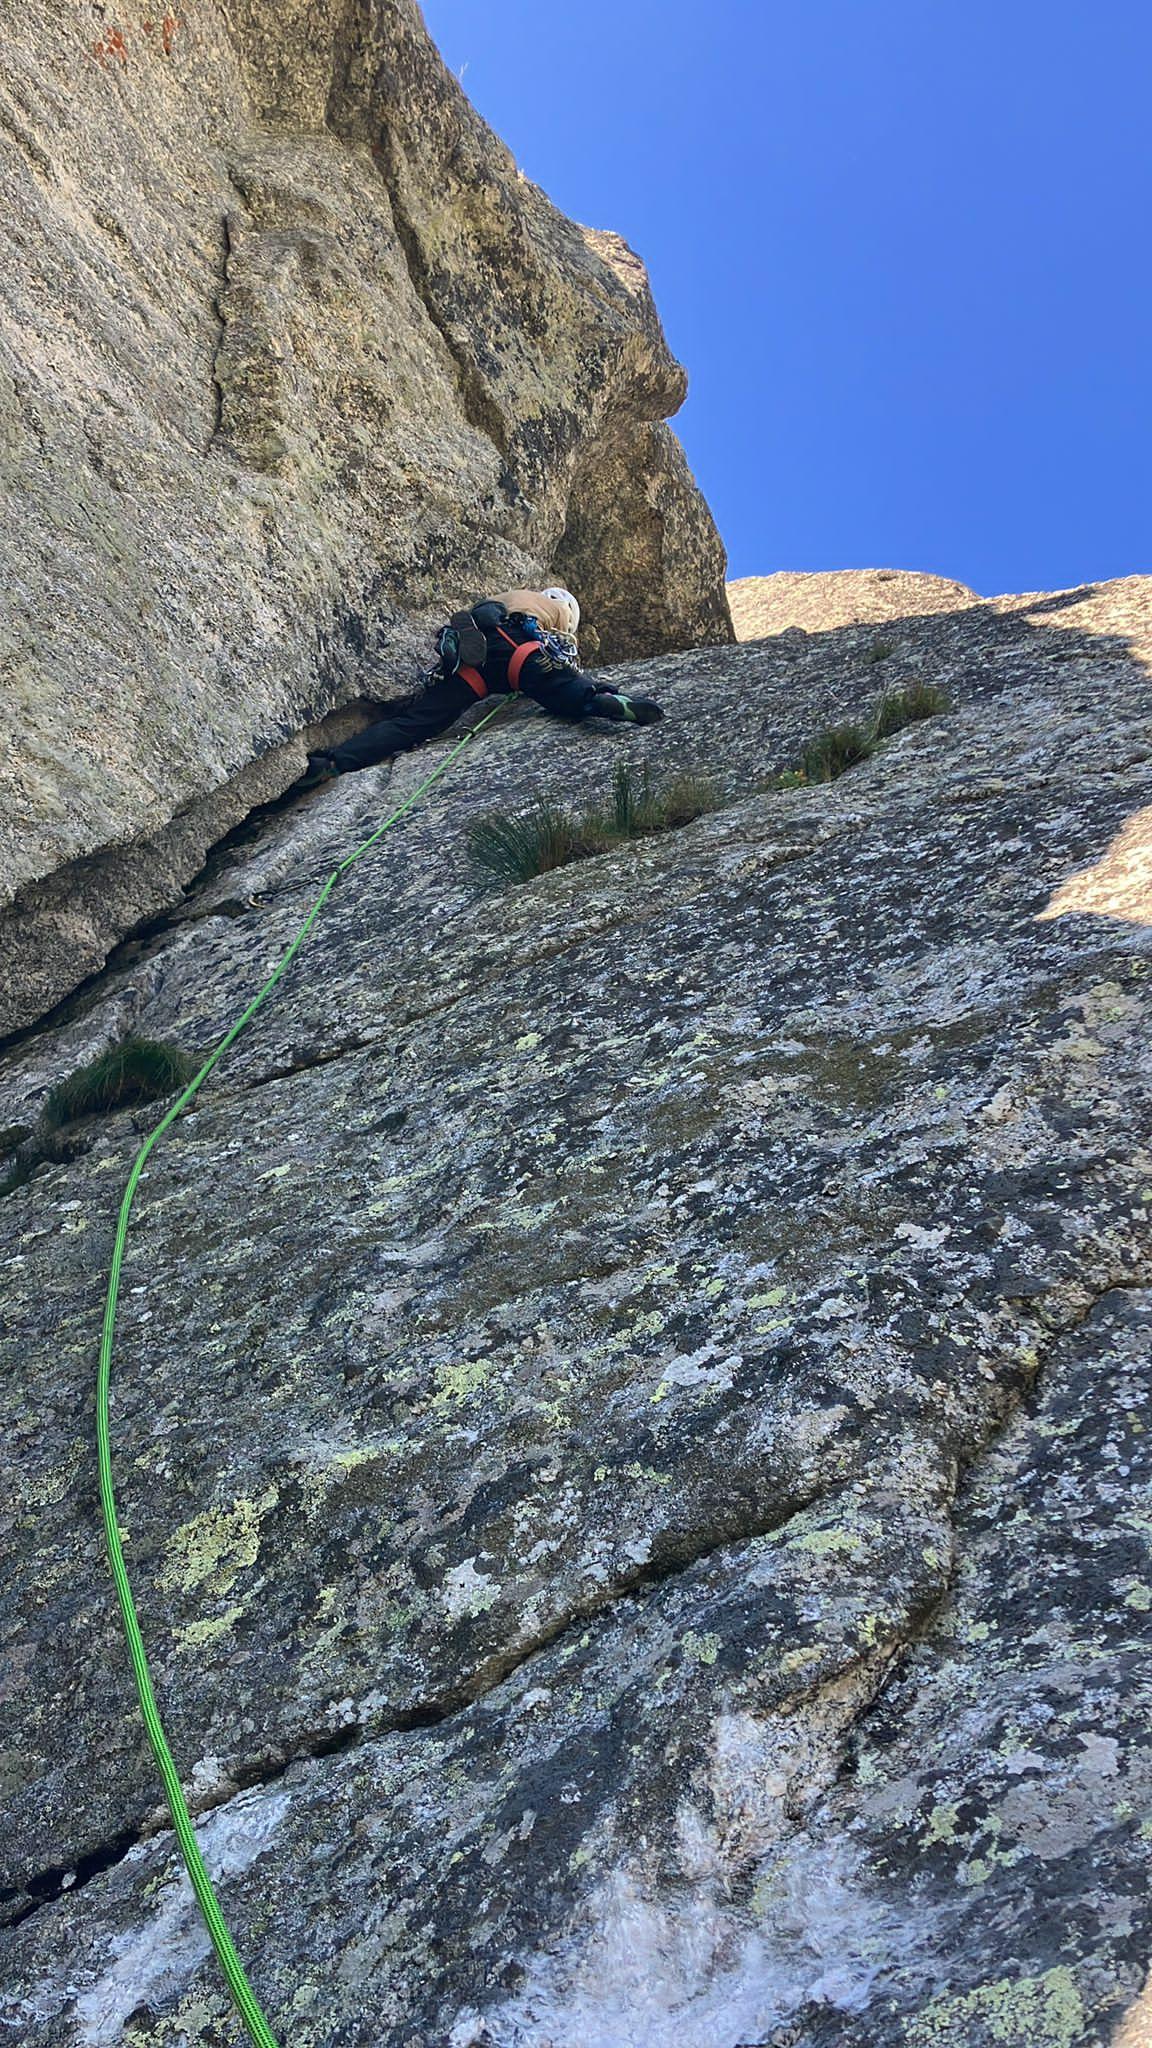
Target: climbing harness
(242,1993)
(521,649)
(463,646)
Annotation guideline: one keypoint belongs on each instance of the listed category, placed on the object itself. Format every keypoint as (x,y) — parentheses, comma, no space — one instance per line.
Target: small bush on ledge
(906,706)
(136,1070)
(516,846)
(830,753)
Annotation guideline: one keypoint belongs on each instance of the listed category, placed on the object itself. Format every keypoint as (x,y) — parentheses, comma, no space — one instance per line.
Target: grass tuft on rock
(684,798)
(830,753)
(638,808)
(516,846)
(136,1070)
(906,706)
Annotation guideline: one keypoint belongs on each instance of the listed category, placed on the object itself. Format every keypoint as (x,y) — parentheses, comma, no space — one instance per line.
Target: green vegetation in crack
(831,752)
(134,1071)
(515,846)
(906,705)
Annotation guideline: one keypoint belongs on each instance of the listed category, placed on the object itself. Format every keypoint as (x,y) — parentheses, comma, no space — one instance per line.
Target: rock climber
(521,640)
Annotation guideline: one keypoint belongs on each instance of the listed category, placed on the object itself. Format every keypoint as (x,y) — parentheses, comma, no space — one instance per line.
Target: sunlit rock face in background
(791,602)
(293,360)
(632,1403)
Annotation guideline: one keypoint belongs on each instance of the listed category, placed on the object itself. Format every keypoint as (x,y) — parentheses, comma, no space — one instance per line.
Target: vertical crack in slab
(220,308)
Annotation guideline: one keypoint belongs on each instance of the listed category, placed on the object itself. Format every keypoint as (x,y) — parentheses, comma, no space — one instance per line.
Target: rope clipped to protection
(245,1999)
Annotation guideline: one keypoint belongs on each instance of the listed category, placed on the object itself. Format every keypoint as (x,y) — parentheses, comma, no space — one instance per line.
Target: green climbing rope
(242,1993)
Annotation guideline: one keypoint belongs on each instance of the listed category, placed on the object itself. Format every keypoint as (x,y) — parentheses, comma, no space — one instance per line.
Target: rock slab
(631,1405)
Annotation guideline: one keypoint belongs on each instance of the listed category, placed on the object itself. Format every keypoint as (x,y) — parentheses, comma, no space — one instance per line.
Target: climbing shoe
(626,710)
(321,767)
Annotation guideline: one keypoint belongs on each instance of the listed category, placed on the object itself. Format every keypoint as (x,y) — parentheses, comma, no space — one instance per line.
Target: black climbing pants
(562,691)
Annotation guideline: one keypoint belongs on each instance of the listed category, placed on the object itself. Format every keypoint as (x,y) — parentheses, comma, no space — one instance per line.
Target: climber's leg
(408,723)
(562,691)
(567,693)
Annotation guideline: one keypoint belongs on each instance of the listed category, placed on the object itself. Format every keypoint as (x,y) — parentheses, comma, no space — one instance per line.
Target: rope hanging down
(242,1993)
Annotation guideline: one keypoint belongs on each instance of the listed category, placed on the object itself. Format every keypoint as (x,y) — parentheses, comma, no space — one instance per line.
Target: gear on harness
(462,643)
(470,640)
(560,648)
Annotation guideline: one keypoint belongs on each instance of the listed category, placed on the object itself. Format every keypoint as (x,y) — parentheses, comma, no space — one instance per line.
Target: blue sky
(904,248)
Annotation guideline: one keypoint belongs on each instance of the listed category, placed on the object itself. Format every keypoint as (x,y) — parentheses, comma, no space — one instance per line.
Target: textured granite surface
(631,1405)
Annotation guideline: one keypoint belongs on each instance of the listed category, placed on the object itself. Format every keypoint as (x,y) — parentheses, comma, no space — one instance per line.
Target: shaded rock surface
(293,359)
(631,1401)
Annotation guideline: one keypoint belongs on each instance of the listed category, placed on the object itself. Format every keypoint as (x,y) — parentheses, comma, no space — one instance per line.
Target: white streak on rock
(162,1952)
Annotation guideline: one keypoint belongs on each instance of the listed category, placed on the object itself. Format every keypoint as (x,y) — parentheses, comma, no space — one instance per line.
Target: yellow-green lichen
(214,1548)
(828,1543)
(49,1486)
(941,1825)
(702,1649)
(972,1631)
(798,1660)
(1045,2012)
(199,1633)
(459,1382)
(649,1325)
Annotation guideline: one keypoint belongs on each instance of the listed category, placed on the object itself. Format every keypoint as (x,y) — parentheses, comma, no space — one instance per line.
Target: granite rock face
(793,600)
(631,1405)
(292,360)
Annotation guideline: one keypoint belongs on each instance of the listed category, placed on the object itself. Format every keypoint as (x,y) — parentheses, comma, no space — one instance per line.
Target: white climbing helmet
(559,595)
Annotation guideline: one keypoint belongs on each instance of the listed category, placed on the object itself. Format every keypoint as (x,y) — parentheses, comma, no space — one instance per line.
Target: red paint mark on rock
(111,44)
(168,29)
